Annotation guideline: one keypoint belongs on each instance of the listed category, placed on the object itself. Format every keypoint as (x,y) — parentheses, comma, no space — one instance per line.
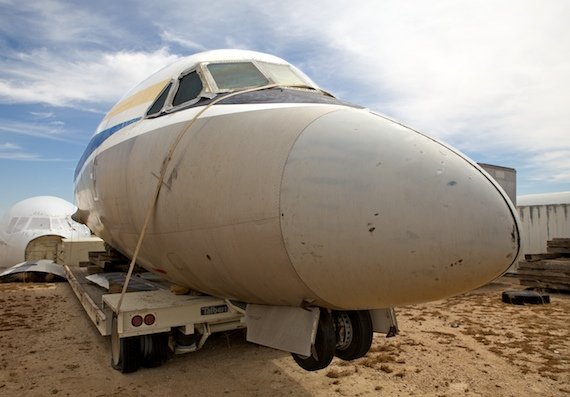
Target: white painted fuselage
(31,219)
(289,202)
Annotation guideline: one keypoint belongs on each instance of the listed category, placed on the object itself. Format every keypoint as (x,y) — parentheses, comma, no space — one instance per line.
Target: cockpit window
(39,224)
(12,224)
(189,88)
(22,222)
(203,81)
(159,103)
(229,76)
(282,74)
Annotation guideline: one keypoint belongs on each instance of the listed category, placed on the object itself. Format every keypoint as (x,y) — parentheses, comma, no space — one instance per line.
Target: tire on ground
(362,333)
(322,351)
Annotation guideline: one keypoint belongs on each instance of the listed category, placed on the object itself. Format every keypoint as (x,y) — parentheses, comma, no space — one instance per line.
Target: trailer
(150,322)
(150,325)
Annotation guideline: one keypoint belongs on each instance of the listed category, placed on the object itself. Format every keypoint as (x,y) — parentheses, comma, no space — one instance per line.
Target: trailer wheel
(154,349)
(322,351)
(125,351)
(354,333)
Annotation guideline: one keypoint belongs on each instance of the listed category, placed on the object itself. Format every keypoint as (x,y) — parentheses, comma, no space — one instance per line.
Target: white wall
(541,223)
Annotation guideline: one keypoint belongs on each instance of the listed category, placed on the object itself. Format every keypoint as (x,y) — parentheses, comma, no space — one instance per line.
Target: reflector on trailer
(137,321)
(149,319)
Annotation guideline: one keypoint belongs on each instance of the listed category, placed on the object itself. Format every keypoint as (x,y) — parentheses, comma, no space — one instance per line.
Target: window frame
(174,84)
(212,82)
(162,109)
(209,86)
(174,90)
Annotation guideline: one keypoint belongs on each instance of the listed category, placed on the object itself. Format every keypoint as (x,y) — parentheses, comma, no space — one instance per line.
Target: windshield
(229,76)
(205,80)
(282,74)
(236,75)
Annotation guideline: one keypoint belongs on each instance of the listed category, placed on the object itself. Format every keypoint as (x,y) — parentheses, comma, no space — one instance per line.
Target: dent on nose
(376,215)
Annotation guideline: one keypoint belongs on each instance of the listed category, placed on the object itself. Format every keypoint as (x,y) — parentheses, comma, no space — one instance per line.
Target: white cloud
(21,156)
(499,71)
(42,115)
(60,23)
(8,146)
(92,79)
(40,130)
(554,166)
(170,37)
(12,151)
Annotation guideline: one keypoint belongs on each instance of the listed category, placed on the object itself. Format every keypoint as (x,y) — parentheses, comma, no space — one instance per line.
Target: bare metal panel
(291,329)
(384,320)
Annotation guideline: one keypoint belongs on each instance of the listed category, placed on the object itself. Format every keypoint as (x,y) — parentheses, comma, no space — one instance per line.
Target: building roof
(543,199)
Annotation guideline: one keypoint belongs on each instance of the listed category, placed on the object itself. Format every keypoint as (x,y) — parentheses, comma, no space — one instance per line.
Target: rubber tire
(525,296)
(125,352)
(157,353)
(362,335)
(325,345)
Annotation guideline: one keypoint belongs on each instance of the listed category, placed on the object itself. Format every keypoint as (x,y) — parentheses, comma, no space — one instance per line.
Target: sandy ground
(470,345)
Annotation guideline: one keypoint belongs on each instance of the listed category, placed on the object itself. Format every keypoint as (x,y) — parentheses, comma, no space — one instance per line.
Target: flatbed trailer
(151,324)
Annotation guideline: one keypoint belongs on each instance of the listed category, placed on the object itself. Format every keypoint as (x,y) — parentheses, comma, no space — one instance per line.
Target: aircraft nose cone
(374,214)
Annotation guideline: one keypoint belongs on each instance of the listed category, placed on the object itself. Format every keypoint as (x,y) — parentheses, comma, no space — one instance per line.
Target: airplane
(231,173)
(31,229)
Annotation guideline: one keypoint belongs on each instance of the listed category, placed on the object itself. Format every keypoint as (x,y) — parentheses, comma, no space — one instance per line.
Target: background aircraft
(32,229)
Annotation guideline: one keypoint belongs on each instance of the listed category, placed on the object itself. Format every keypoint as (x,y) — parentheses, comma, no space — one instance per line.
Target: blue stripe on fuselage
(98,139)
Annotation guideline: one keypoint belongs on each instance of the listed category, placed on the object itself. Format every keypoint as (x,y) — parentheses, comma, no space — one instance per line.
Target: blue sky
(491,78)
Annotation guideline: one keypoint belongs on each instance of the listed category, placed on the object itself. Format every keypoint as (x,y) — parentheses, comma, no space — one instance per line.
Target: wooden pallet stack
(550,270)
(108,261)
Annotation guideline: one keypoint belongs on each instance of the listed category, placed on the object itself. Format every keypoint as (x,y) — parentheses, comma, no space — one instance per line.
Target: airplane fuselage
(286,196)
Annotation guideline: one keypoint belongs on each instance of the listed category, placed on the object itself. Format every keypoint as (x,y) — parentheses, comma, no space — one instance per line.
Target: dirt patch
(470,345)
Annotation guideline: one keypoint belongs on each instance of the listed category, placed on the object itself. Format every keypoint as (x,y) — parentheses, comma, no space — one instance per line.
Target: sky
(491,78)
